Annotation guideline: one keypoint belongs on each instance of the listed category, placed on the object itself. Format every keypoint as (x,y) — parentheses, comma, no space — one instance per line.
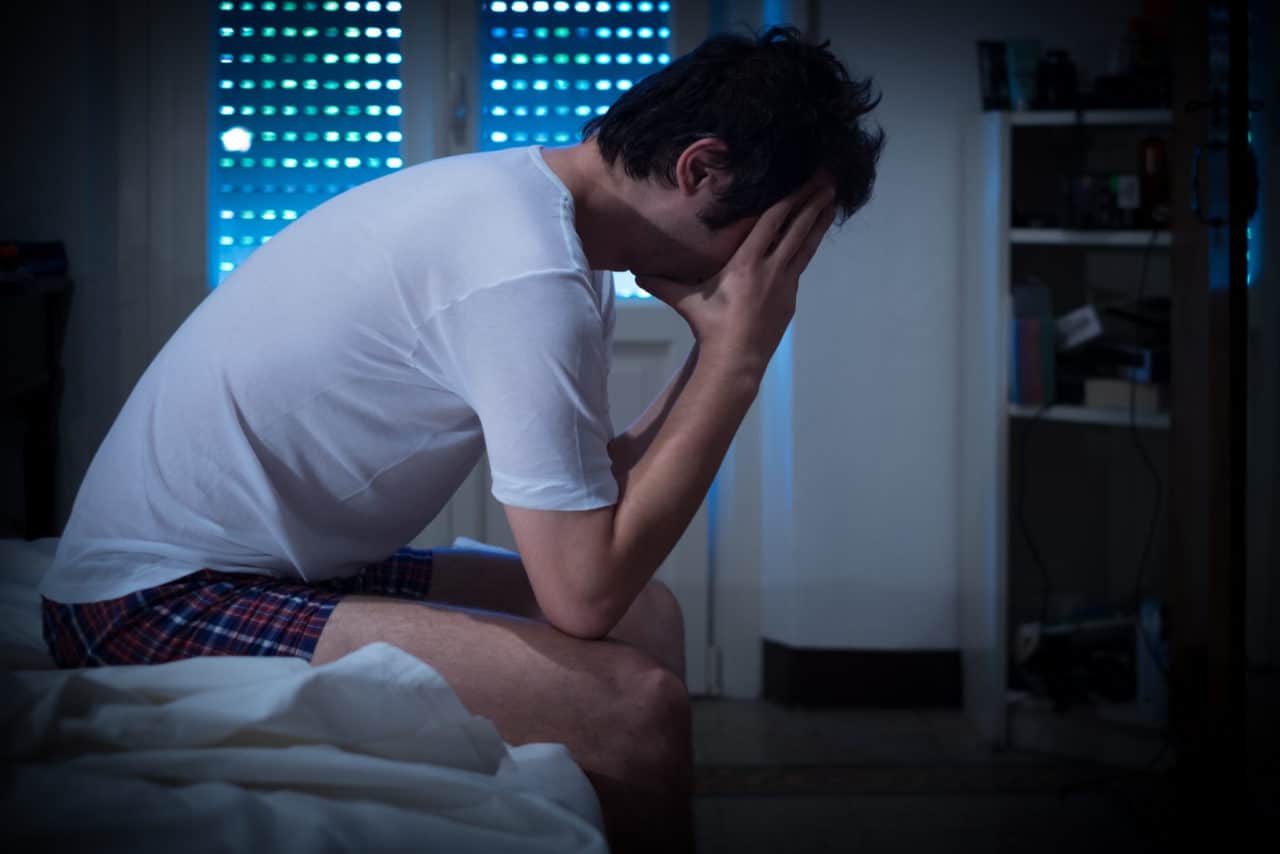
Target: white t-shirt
(319,407)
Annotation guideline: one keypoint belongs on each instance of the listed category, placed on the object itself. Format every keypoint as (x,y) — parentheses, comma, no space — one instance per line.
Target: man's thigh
(534,682)
(479,580)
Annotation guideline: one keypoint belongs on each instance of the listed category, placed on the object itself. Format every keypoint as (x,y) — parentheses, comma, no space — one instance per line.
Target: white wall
(871,562)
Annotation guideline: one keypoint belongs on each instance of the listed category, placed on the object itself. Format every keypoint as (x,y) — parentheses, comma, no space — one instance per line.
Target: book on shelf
(1033,347)
(1033,361)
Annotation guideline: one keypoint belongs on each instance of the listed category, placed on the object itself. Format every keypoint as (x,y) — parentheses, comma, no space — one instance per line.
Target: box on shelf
(1142,325)
(1078,661)
(1079,327)
(1108,393)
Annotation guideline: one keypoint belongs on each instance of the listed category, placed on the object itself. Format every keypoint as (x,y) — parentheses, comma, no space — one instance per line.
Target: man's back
(320,407)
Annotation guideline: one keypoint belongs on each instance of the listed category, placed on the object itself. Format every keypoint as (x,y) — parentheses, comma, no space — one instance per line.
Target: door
(1215,214)
(1262,487)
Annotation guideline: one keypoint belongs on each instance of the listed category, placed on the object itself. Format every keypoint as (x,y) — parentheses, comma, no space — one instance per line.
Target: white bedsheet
(21,565)
(373,752)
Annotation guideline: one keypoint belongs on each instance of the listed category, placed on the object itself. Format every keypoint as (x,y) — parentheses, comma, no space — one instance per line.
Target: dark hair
(783,106)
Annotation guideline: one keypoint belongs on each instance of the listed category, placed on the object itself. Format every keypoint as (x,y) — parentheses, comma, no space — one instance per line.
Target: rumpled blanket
(373,752)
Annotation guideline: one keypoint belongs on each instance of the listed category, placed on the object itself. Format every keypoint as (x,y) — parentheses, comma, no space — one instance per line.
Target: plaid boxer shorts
(219,613)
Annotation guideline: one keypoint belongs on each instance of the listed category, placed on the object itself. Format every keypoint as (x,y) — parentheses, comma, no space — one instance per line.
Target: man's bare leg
(484,581)
(624,717)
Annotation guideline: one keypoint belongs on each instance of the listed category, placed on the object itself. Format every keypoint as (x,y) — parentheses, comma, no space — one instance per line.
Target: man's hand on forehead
(741,313)
(820,183)
(816,185)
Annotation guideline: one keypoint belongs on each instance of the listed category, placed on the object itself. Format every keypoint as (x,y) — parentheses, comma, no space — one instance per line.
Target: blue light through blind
(307,106)
(547,67)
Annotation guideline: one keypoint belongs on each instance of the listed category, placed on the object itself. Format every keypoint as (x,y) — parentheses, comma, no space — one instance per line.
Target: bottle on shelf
(1153,178)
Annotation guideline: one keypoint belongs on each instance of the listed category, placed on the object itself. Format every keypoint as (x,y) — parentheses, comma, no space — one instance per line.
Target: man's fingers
(765,231)
(772,221)
(799,229)
(812,240)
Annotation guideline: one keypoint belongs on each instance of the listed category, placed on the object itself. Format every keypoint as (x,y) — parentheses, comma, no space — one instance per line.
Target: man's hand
(740,314)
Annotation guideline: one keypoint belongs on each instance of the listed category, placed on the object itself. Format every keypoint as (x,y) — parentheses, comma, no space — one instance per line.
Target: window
(307,100)
(307,105)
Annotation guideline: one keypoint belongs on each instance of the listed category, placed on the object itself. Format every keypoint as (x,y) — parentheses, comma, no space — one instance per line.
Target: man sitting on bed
(322,405)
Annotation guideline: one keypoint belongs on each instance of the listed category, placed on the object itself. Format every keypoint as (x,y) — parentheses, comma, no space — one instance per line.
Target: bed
(373,752)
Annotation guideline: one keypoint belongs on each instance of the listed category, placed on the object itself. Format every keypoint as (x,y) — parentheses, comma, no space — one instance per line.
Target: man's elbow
(583,620)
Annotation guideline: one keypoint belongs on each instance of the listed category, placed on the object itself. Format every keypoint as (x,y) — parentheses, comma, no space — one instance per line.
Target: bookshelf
(1096,238)
(1091,118)
(1086,415)
(1076,480)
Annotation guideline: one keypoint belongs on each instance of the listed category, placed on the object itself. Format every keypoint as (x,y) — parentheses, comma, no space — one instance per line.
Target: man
(321,406)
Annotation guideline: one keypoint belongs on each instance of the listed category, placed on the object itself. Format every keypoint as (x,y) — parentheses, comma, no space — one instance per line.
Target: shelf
(1084,415)
(1043,118)
(1065,237)
(1122,734)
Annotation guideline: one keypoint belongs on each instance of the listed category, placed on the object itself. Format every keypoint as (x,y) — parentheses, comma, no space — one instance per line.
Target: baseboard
(795,676)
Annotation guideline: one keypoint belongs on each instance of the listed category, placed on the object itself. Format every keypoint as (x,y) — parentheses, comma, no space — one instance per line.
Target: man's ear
(701,168)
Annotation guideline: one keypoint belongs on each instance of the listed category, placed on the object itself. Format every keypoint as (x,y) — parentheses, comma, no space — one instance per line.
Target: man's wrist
(734,368)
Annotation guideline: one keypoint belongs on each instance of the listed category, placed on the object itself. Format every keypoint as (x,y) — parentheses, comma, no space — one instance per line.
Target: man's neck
(604,217)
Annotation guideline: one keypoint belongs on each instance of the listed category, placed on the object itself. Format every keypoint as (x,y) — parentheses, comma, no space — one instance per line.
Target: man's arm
(629,446)
(586,567)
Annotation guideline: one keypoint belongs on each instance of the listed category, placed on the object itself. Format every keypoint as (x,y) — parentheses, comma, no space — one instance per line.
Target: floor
(774,779)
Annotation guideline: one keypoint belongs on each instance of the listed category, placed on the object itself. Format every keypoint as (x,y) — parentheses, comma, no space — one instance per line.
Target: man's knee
(654,624)
(656,720)
(666,610)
